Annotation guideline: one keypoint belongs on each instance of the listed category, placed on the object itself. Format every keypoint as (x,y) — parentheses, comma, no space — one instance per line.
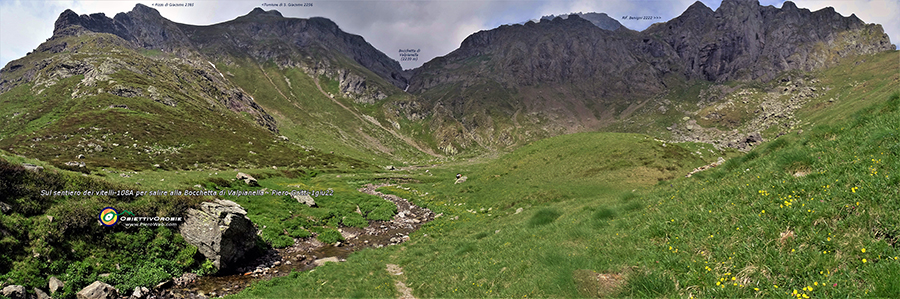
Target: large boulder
(98,290)
(14,292)
(304,198)
(220,230)
(248,179)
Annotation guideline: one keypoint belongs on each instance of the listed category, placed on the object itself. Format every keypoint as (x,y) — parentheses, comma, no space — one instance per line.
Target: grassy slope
(854,84)
(578,210)
(731,219)
(466,258)
(310,118)
(52,126)
(675,240)
(830,192)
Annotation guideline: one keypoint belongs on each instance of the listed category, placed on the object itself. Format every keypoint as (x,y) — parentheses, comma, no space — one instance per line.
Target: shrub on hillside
(354,220)
(382,213)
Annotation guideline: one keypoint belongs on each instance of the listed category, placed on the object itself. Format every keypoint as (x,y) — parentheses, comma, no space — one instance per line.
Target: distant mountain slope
(91,98)
(319,87)
(145,27)
(523,82)
(97,72)
(742,40)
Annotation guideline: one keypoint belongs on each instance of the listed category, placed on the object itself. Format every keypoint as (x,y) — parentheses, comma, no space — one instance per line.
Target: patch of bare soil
(598,285)
(405,291)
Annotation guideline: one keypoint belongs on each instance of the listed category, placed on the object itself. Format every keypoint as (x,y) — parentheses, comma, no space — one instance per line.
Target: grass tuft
(544,217)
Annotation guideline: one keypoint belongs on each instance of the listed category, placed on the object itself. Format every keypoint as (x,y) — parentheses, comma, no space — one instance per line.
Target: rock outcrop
(304,199)
(32,167)
(40,294)
(140,293)
(143,26)
(98,290)
(55,285)
(248,179)
(221,231)
(14,292)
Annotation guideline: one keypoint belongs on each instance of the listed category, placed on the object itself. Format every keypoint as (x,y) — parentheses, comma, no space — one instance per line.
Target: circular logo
(109,216)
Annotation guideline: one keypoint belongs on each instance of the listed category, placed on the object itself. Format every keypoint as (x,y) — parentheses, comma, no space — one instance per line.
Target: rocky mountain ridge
(743,40)
(570,75)
(601,20)
(502,87)
(316,44)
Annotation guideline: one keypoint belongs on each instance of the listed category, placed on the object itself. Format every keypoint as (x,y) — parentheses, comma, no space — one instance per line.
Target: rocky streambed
(304,255)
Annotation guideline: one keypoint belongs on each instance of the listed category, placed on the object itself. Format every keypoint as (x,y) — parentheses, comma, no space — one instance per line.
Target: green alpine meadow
(746,151)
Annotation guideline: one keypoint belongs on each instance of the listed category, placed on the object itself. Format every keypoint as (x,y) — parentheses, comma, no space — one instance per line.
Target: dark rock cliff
(739,41)
(569,74)
(742,40)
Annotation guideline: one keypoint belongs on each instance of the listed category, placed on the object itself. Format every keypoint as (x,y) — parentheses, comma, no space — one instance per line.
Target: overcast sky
(435,27)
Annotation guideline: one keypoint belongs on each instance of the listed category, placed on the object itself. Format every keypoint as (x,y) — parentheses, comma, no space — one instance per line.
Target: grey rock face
(143,26)
(14,292)
(221,231)
(98,290)
(601,69)
(742,40)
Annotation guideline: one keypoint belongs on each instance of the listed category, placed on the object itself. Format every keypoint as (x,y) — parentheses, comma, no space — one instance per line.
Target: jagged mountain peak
(601,20)
(145,10)
(697,8)
(143,26)
(731,4)
(260,13)
(97,22)
(788,5)
(480,41)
